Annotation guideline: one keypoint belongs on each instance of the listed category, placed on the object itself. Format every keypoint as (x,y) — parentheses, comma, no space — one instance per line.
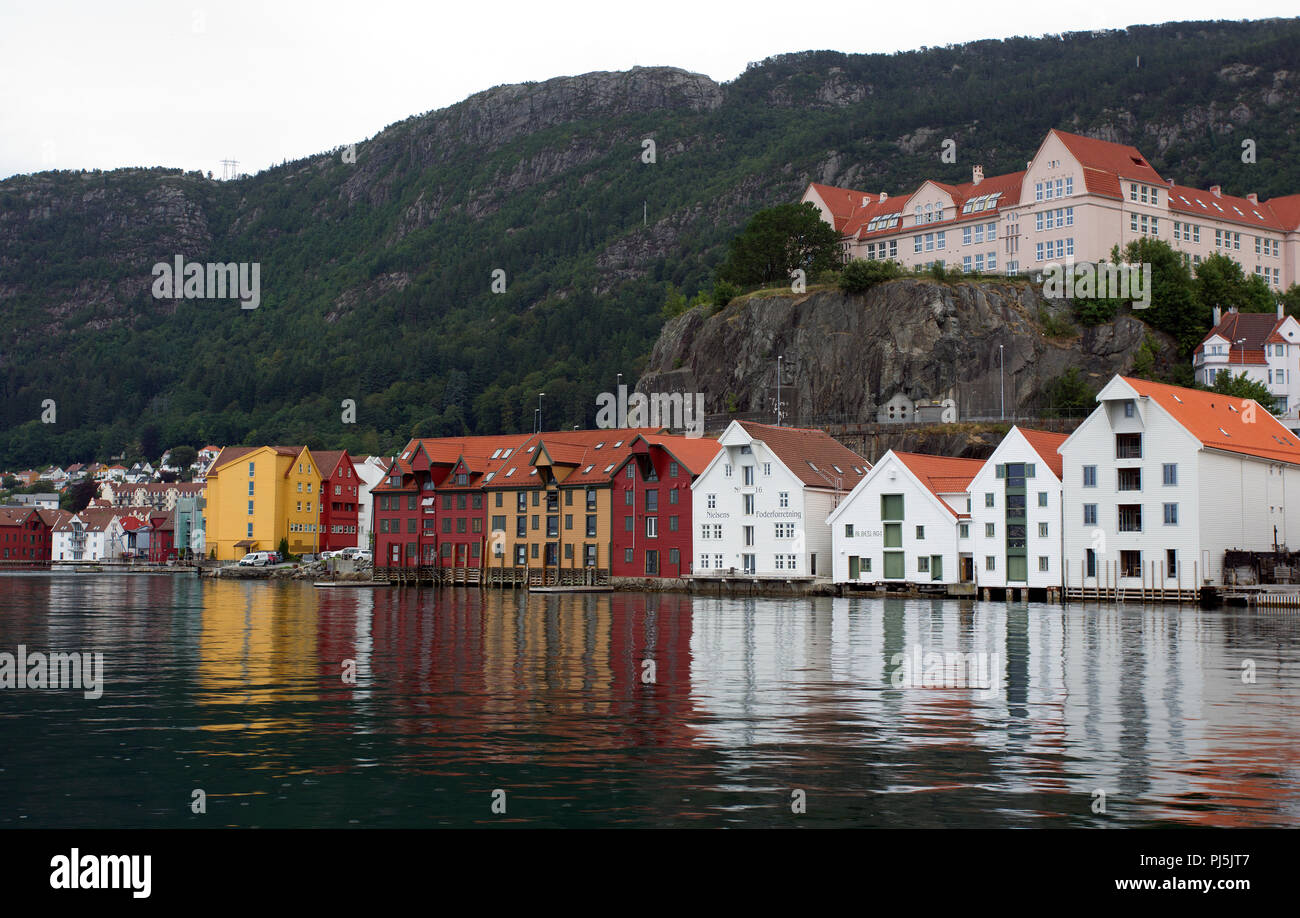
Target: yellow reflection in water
(257,644)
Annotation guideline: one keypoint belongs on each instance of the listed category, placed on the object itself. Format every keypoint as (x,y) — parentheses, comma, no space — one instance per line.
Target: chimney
(884,196)
(977,175)
(866,199)
(1216,190)
(1281,310)
(1253,198)
(1217,316)
(1170,182)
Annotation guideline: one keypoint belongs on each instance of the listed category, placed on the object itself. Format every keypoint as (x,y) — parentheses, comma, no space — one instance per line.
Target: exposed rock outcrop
(847,355)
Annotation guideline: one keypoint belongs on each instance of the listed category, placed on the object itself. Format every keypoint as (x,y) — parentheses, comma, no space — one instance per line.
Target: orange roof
(1046,444)
(1183,199)
(1105,163)
(692,453)
(814,456)
(942,474)
(843,203)
(1219,421)
(592,454)
(1286,211)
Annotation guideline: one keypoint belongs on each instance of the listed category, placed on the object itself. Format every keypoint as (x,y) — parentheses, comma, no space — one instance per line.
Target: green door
(1017,568)
(853,567)
(936,567)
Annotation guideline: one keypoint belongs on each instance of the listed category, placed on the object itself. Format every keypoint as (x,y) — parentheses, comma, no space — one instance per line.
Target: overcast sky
(94,84)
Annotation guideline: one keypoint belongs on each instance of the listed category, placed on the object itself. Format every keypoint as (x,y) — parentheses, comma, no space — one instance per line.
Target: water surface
(238,689)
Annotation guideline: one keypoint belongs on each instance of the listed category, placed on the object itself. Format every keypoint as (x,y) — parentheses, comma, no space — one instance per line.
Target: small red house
(339,489)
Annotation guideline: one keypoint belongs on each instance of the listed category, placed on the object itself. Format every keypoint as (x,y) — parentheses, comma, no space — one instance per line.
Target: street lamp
(778,390)
(1002,385)
(539,411)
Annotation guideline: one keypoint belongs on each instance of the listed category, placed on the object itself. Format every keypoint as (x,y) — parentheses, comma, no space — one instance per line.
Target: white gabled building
(1160,481)
(759,508)
(94,534)
(1015,520)
(906,522)
(1260,345)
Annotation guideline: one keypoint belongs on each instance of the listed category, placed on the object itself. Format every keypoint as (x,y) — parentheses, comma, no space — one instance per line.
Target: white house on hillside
(1159,481)
(1016,529)
(759,508)
(1263,346)
(907,521)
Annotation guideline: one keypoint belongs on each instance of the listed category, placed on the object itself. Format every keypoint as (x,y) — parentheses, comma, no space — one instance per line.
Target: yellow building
(258,495)
(553,500)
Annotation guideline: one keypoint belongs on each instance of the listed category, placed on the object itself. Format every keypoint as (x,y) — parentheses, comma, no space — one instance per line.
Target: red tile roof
(692,453)
(942,474)
(1257,328)
(591,454)
(1046,444)
(812,455)
(843,203)
(1185,200)
(1286,211)
(1105,163)
(1219,421)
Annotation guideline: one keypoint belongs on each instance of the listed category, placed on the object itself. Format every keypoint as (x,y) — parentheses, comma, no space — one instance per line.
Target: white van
(255,558)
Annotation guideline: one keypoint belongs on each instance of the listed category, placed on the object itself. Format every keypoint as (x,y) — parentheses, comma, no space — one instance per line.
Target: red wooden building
(405,505)
(651,508)
(24,536)
(162,537)
(339,496)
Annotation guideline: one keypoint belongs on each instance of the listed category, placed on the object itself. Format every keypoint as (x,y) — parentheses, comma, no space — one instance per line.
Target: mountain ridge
(377,274)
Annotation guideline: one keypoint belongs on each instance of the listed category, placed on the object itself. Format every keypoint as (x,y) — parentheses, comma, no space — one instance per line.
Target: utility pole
(778,389)
(1002,383)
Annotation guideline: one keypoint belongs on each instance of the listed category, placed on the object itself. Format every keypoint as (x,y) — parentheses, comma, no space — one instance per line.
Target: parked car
(337,553)
(257,558)
(362,554)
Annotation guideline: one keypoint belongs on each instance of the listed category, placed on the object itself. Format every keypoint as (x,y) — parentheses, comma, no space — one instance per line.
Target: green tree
(860,274)
(1175,307)
(778,240)
(184,456)
(1221,282)
(78,495)
(1242,386)
(724,293)
(675,302)
(1291,300)
(1069,395)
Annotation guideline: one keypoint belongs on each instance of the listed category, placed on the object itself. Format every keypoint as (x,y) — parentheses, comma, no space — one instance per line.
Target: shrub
(860,275)
(724,292)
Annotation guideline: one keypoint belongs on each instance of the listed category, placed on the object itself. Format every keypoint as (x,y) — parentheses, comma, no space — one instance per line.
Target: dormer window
(1130,408)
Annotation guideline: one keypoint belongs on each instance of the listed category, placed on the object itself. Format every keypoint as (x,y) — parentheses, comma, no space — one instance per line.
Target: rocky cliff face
(846,356)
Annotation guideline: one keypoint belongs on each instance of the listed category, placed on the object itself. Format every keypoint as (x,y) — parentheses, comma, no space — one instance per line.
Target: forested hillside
(376,275)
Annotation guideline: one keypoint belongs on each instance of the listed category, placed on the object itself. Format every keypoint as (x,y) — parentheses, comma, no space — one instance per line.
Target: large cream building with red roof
(1076,199)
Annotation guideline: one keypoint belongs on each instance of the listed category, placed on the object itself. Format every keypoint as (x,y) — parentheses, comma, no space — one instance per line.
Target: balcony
(1128,446)
(1129,480)
(1130,517)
